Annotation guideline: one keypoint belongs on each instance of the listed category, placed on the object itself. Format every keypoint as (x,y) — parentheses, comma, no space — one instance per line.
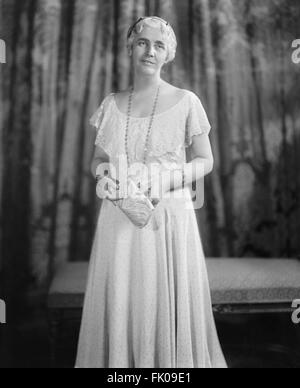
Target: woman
(147,303)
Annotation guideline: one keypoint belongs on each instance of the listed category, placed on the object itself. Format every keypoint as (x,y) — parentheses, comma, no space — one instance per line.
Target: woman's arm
(106,186)
(201,164)
(100,156)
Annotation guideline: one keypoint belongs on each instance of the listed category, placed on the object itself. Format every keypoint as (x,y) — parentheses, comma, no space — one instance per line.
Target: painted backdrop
(65,56)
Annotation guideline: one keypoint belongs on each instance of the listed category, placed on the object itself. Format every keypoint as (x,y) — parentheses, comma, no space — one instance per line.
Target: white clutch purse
(136,206)
(138,210)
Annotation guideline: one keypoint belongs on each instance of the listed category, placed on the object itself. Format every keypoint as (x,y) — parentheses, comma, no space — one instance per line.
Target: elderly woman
(148,303)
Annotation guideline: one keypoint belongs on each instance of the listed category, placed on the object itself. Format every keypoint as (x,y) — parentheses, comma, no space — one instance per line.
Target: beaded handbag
(137,208)
(136,205)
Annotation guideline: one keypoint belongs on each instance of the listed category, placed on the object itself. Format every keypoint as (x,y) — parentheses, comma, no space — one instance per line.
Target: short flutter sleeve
(197,121)
(99,120)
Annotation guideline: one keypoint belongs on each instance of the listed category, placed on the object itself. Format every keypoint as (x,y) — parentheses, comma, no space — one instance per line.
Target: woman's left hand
(157,187)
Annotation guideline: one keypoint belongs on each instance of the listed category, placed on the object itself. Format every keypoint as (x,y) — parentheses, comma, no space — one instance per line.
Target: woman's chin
(147,70)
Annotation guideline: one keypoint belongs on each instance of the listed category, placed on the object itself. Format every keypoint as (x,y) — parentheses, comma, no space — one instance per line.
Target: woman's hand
(157,187)
(108,188)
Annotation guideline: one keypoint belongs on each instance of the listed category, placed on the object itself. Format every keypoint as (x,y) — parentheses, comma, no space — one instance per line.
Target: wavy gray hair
(154,22)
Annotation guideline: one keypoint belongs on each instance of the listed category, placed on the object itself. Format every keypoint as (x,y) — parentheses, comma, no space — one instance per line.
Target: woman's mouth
(148,62)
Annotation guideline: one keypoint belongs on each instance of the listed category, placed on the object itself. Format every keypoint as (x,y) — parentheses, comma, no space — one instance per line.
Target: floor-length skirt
(148,302)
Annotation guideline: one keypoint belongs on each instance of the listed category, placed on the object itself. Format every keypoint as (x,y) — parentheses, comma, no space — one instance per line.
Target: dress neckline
(147,117)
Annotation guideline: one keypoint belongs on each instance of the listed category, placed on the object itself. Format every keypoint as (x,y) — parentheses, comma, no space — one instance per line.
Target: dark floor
(261,341)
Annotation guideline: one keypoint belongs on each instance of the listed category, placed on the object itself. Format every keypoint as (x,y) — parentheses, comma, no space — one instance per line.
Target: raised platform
(237,285)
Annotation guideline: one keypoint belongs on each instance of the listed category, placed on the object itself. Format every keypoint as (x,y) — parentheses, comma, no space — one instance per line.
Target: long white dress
(148,303)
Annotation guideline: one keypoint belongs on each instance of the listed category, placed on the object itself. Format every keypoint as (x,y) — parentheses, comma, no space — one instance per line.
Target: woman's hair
(154,22)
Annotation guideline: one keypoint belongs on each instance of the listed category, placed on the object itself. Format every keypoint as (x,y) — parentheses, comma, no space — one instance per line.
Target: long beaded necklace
(149,128)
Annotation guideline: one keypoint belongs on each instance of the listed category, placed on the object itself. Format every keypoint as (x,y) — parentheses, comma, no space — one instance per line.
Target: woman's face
(150,51)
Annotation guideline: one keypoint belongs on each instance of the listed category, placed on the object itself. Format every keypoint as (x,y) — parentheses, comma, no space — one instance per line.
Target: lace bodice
(172,131)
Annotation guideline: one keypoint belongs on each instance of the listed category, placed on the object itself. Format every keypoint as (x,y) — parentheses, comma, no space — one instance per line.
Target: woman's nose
(150,50)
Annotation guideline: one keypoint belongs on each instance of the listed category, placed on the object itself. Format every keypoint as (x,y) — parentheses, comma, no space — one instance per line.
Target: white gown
(147,302)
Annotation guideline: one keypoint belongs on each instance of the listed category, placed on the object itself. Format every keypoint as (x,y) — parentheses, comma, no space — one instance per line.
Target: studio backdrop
(64,56)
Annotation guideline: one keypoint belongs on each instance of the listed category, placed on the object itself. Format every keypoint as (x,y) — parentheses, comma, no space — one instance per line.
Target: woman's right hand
(107,188)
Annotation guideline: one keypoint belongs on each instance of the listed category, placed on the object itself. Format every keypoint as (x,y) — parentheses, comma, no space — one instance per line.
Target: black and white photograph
(149,186)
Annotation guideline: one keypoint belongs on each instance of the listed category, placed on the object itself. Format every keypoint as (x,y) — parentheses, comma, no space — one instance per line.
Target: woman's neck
(144,85)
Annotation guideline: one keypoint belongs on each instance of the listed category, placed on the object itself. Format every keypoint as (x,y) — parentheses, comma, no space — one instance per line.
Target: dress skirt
(148,302)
